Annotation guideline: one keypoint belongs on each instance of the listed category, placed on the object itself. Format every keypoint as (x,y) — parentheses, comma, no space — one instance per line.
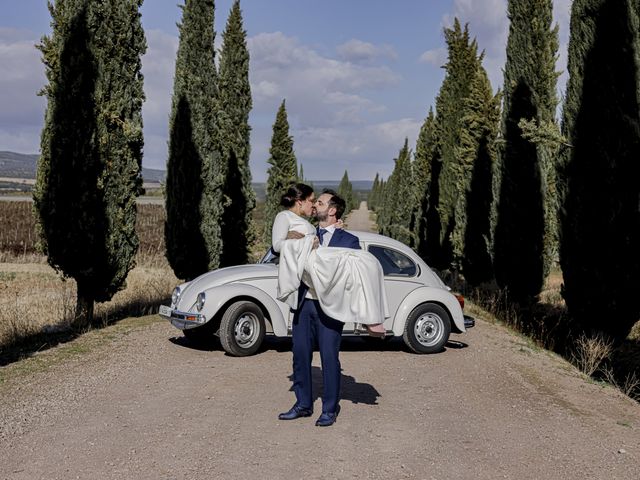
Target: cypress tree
(600,217)
(91,145)
(524,239)
(373,194)
(345,190)
(477,156)
(234,107)
(423,159)
(283,171)
(194,170)
(461,69)
(399,198)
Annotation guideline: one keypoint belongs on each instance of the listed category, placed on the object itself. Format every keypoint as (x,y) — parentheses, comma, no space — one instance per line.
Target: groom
(310,324)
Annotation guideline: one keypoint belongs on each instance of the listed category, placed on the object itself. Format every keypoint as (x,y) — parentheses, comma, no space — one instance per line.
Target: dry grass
(590,352)
(36,301)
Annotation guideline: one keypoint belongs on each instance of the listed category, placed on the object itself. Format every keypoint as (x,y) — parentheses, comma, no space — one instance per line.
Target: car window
(393,262)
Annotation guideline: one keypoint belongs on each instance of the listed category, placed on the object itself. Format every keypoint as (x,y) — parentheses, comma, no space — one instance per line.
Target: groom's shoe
(326,419)
(295,412)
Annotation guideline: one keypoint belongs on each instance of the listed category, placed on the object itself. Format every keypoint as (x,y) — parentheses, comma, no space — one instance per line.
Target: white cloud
(283,60)
(436,57)
(362,150)
(489,24)
(357,51)
(22,77)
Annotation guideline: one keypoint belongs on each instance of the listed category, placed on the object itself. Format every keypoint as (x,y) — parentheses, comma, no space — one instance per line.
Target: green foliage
(471,237)
(526,212)
(195,168)
(234,106)
(345,191)
(374,194)
(423,159)
(283,171)
(600,218)
(395,215)
(89,171)
(447,149)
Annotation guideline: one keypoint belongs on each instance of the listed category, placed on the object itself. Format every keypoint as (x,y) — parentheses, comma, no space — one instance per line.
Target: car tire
(242,329)
(427,329)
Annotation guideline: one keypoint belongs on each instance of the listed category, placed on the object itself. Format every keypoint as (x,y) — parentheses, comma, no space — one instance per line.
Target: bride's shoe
(376,330)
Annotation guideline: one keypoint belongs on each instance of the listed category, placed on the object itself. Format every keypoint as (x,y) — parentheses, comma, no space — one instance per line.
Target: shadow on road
(350,391)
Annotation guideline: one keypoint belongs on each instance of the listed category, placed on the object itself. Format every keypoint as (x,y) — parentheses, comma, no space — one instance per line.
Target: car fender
(427,295)
(219,296)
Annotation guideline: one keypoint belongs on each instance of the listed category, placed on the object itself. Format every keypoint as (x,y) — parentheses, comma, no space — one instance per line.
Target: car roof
(370,237)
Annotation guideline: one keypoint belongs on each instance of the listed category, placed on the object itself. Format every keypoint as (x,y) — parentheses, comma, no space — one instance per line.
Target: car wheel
(427,329)
(242,329)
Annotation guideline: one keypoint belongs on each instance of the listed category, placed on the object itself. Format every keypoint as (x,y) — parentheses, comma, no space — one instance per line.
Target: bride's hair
(299,191)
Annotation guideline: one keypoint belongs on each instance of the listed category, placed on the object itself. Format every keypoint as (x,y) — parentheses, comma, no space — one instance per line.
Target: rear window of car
(393,262)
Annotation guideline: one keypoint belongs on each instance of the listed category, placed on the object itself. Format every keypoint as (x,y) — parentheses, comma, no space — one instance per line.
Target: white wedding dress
(349,283)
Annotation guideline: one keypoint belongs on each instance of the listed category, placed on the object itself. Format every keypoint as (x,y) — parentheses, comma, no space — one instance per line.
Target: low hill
(19,165)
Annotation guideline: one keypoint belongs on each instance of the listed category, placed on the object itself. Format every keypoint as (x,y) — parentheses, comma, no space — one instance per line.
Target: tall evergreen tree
(471,236)
(423,159)
(283,171)
(89,171)
(234,107)
(600,218)
(372,198)
(345,190)
(446,170)
(524,239)
(195,170)
(397,207)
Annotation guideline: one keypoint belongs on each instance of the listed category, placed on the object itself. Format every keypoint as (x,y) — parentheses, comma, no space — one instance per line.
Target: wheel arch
(226,295)
(424,295)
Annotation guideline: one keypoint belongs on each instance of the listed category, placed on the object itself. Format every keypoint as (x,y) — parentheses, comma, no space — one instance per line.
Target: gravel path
(145,404)
(359,219)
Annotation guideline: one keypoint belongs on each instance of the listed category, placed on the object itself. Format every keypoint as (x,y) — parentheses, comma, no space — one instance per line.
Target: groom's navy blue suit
(311,325)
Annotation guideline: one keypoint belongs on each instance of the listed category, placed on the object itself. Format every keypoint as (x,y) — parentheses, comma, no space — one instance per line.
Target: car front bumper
(182,320)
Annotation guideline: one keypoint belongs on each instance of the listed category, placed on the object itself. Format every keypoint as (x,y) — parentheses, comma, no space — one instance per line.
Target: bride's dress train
(348,283)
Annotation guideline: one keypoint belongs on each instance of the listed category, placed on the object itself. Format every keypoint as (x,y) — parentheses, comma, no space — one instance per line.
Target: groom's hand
(293,235)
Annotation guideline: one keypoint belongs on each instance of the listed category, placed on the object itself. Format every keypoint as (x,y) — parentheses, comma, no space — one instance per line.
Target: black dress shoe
(326,419)
(295,412)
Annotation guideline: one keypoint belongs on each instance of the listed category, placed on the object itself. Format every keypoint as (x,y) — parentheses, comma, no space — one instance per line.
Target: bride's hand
(293,235)
(316,243)
(339,224)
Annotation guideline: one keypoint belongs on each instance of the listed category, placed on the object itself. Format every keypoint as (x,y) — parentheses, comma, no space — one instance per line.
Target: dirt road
(143,403)
(359,219)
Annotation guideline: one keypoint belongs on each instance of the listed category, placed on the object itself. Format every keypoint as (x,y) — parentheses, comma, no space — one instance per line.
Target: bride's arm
(279,231)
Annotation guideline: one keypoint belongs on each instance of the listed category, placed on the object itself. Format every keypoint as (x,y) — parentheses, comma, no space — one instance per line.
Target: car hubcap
(246,330)
(429,329)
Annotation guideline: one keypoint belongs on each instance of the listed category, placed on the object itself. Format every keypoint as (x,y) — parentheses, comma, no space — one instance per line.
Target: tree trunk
(84,310)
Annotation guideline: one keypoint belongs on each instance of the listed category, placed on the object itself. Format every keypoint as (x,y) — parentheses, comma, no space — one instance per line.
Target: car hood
(222,276)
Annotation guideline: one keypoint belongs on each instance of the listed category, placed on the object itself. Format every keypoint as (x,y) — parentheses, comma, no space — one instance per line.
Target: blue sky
(358,75)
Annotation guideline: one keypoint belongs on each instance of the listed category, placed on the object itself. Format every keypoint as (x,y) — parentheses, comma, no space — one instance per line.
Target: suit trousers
(311,325)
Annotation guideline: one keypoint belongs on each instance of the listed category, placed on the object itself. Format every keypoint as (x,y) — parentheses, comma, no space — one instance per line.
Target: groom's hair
(336,202)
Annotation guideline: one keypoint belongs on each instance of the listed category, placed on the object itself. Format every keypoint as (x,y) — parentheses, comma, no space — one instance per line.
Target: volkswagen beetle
(238,304)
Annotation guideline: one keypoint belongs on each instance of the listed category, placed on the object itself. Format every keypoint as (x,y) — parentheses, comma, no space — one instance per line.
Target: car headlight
(202,297)
(175,296)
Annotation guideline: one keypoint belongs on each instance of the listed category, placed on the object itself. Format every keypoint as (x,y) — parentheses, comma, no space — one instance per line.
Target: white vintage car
(238,304)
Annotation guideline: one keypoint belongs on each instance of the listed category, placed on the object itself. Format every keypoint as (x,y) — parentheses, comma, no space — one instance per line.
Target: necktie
(321,232)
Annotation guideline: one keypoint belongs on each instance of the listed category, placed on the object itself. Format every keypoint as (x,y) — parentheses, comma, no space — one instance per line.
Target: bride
(347,282)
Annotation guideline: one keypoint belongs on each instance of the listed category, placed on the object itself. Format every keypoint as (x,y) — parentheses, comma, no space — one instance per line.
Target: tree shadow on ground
(50,337)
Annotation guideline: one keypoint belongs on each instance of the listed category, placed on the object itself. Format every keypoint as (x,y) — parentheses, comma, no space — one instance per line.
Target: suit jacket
(340,238)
